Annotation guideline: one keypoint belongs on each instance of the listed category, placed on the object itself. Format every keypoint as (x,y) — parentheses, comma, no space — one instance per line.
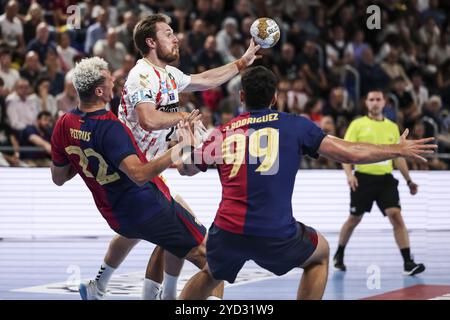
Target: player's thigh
(389,197)
(225,253)
(361,200)
(291,252)
(174,229)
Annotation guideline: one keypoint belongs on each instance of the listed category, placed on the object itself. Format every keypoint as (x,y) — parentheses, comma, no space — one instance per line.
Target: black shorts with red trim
(174,229)
(227,252)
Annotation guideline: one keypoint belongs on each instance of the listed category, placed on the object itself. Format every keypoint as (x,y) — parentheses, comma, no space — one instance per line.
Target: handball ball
(265,32)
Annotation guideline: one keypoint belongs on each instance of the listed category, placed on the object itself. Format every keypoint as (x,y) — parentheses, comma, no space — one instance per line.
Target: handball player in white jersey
(149,107)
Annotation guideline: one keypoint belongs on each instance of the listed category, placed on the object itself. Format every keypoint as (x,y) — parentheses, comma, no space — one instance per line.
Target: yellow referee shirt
(377,132)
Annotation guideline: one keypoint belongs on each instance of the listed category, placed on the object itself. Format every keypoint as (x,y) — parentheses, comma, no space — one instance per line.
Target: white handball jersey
(147,82)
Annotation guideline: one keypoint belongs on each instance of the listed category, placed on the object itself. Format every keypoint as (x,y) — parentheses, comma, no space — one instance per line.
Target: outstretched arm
(216,77)
(357,152)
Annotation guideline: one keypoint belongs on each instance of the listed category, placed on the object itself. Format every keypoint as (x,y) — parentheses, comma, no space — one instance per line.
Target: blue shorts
(227,252)
(174,229)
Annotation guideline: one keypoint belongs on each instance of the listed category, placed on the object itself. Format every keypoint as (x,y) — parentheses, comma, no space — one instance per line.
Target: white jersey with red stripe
(147,82)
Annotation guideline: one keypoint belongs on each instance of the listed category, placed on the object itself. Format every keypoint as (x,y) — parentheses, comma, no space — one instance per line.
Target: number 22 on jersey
(101,177)
(236,155)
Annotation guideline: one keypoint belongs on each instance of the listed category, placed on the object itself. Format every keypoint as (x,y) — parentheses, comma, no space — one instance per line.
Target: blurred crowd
(327,60)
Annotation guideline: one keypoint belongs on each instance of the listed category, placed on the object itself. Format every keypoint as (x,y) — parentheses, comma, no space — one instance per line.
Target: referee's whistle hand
(416,149)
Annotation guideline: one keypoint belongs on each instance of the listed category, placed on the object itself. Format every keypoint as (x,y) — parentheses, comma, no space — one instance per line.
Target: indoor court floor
(51,268)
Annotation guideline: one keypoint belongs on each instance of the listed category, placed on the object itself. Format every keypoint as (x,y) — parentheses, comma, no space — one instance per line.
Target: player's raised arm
(218,76)
(358,153)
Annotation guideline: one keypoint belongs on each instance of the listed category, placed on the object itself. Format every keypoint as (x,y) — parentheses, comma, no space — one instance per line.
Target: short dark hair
(146,28)
(383,92)
(43,114)
(259,85)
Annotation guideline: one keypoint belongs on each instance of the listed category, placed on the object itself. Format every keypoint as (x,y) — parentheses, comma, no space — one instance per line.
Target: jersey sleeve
(117,143)
(181,79)
(207,154)
(59,156)
(311,137)
(352,132)
(142,88)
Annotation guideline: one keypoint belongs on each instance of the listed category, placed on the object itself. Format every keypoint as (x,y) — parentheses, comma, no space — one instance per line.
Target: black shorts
(174,229)
(380,188)
(227,252)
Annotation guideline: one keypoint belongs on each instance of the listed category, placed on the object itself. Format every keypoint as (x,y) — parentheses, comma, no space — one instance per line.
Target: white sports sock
(169,287)
(213,298)
(103,276)
(150,289)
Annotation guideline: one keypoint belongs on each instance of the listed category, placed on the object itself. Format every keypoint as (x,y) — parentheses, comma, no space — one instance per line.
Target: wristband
(240,64)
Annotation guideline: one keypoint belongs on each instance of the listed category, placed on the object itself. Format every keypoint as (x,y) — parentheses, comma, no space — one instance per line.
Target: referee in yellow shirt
(374,182)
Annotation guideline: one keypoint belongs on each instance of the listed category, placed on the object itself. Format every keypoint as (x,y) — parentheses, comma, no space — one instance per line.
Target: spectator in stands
(66,52)
(208,57)
(339,105)
(9,158)
(287,66)
(11,28)
(97,31)
(68,99)
(37,135)
(47,101)
(212,97)
(128,63)
(225,37)
(357,46)
(31,68)
(22,107)
(418,91)
(53,71)
(311,68)
(393,68)
(41,44)
(186,62)
(371,74)
(313,109)
(406,103)
(125,31)
(443,83)
(33,18)
(337,49)
(283,87)
(440,52)
(298,96)
(7,73)
(196,37)
(111,50)
(429,33)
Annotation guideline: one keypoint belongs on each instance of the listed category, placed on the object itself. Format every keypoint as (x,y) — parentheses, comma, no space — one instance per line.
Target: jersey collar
(85,114)
(153,65)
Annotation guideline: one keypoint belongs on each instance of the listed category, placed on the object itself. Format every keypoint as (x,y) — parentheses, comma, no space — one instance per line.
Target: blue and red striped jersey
(258,155)
(95,144)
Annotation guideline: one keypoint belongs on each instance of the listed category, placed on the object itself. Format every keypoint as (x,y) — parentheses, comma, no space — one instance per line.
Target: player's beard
(167,56)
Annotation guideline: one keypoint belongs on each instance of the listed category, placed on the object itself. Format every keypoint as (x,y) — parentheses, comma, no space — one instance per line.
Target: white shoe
(90,291)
